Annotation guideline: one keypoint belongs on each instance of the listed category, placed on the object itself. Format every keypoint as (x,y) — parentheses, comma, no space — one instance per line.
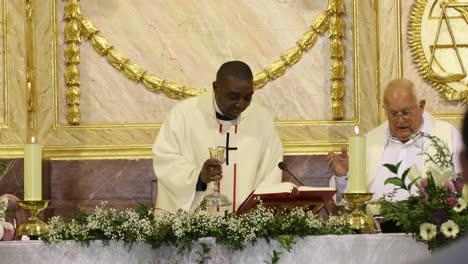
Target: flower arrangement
(141,226)
(437,215)
(3,214)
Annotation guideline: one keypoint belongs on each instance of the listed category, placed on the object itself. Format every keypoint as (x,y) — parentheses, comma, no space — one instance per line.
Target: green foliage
(274,258)
(434,205)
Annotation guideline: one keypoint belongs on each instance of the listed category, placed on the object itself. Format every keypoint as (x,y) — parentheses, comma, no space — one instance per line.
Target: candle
(32,172)
(357,164)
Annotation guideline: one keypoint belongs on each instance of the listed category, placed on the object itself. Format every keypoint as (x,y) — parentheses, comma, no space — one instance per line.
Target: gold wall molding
(6,107)
(78,25)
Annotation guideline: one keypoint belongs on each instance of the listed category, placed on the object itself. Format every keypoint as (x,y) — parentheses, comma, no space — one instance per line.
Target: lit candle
(357,163)
(32,172)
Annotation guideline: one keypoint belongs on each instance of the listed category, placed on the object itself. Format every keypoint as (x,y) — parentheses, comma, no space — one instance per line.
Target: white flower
(414,174)
(427,231)
(373,209)
(460,206)
(449,229)
(440,175)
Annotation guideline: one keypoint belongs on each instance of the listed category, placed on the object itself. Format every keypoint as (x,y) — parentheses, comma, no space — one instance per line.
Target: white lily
(440,177)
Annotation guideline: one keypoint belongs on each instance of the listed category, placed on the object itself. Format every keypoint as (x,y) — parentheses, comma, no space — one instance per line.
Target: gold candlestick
(33,227)
(357,219)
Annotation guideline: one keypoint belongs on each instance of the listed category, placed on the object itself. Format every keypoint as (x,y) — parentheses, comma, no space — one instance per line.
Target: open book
(285,196)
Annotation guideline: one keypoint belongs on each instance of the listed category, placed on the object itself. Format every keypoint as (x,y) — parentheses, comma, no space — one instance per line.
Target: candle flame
(33,139)
(356,129)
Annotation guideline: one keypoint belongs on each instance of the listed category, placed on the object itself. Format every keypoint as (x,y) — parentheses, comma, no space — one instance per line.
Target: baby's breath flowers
(142,226)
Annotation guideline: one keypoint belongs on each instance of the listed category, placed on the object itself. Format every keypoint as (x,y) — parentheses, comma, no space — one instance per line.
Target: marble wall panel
(186,42)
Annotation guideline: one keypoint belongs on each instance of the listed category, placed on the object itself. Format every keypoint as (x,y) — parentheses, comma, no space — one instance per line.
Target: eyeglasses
(405,113)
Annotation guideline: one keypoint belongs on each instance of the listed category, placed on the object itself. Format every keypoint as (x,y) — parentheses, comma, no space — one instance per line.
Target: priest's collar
(425,127)
(221,117)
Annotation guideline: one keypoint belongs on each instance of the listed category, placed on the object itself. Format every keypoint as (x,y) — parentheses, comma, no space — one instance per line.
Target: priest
(394,141)
(226,117)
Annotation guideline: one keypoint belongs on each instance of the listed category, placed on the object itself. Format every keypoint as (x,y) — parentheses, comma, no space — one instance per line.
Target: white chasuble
(253,151)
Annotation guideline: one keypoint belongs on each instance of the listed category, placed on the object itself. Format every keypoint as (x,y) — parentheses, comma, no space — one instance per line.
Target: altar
(379,248)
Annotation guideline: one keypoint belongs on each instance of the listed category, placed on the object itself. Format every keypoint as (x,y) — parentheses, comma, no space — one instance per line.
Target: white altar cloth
(379,248)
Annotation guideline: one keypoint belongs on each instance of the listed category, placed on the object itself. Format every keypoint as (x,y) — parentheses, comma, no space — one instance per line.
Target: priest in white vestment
(393,142)
(223,117)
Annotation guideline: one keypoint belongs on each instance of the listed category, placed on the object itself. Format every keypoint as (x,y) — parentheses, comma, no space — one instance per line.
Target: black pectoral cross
(228,148)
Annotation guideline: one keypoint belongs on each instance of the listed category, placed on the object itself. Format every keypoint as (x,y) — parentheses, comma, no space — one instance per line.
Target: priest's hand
(338,163)
(211,171)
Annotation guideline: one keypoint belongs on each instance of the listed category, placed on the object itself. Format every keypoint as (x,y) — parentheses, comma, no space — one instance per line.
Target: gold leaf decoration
(260,79)
(72,31)
(173,90)
(276,69)
(337,69)
(72,75)
(307,41)
(116,59)
(73,95)
(191,92)
(153,82)
(72,9)
(100,44)
(72,54)
(87,27)
(292,56)
(337,27)
(337,49)
(337,90)
(73,115)
(133,72)
(321,23)
(337,109)
(336,6)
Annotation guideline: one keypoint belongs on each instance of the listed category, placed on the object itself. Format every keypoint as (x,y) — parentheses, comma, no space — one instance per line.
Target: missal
(286,195)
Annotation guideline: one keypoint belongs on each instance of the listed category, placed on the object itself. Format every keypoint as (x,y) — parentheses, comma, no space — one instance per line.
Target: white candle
(32,172)
(357,164)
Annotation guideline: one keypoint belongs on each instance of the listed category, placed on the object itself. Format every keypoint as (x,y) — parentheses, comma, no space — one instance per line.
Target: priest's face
(405,115)
(233,95)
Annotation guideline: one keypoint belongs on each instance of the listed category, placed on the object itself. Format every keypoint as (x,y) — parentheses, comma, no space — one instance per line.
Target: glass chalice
(217,199)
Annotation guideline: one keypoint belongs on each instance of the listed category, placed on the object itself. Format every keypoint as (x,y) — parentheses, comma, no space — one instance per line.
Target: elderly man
(393,142)
(222,117)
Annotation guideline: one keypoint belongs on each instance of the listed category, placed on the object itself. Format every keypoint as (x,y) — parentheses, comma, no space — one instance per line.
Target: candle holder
(33,227)
(357,219)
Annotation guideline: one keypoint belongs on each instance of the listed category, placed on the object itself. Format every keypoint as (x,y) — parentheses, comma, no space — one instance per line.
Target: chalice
(216,199)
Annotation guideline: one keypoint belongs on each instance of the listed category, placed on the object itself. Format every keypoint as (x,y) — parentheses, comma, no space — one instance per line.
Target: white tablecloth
(380,248)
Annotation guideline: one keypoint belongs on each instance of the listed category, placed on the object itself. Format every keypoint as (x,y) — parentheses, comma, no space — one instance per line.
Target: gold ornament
(74,115)
(337,27)
(73,95)
(100,44)
(260,79)
(153,82)
(336,6)
(337,49)
(292,56)
(116,59)
(337,69)
(133,72)
(72,75)
(307,41)
(337,90)
(72,54)
(72,9)
(173,90)
(87,27)
(337,109)
(320,24)
(191,92)
(72,31)
(276,69)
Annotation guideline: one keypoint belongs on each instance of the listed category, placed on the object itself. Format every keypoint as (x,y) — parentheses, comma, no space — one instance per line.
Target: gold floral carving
(328,20)
(337,51)
(419,57)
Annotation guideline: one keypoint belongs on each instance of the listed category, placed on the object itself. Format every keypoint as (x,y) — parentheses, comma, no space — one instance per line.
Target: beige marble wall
(186,42)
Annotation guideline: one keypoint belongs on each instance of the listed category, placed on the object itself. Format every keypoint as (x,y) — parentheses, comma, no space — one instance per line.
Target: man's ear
(422,104)
(215,87)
